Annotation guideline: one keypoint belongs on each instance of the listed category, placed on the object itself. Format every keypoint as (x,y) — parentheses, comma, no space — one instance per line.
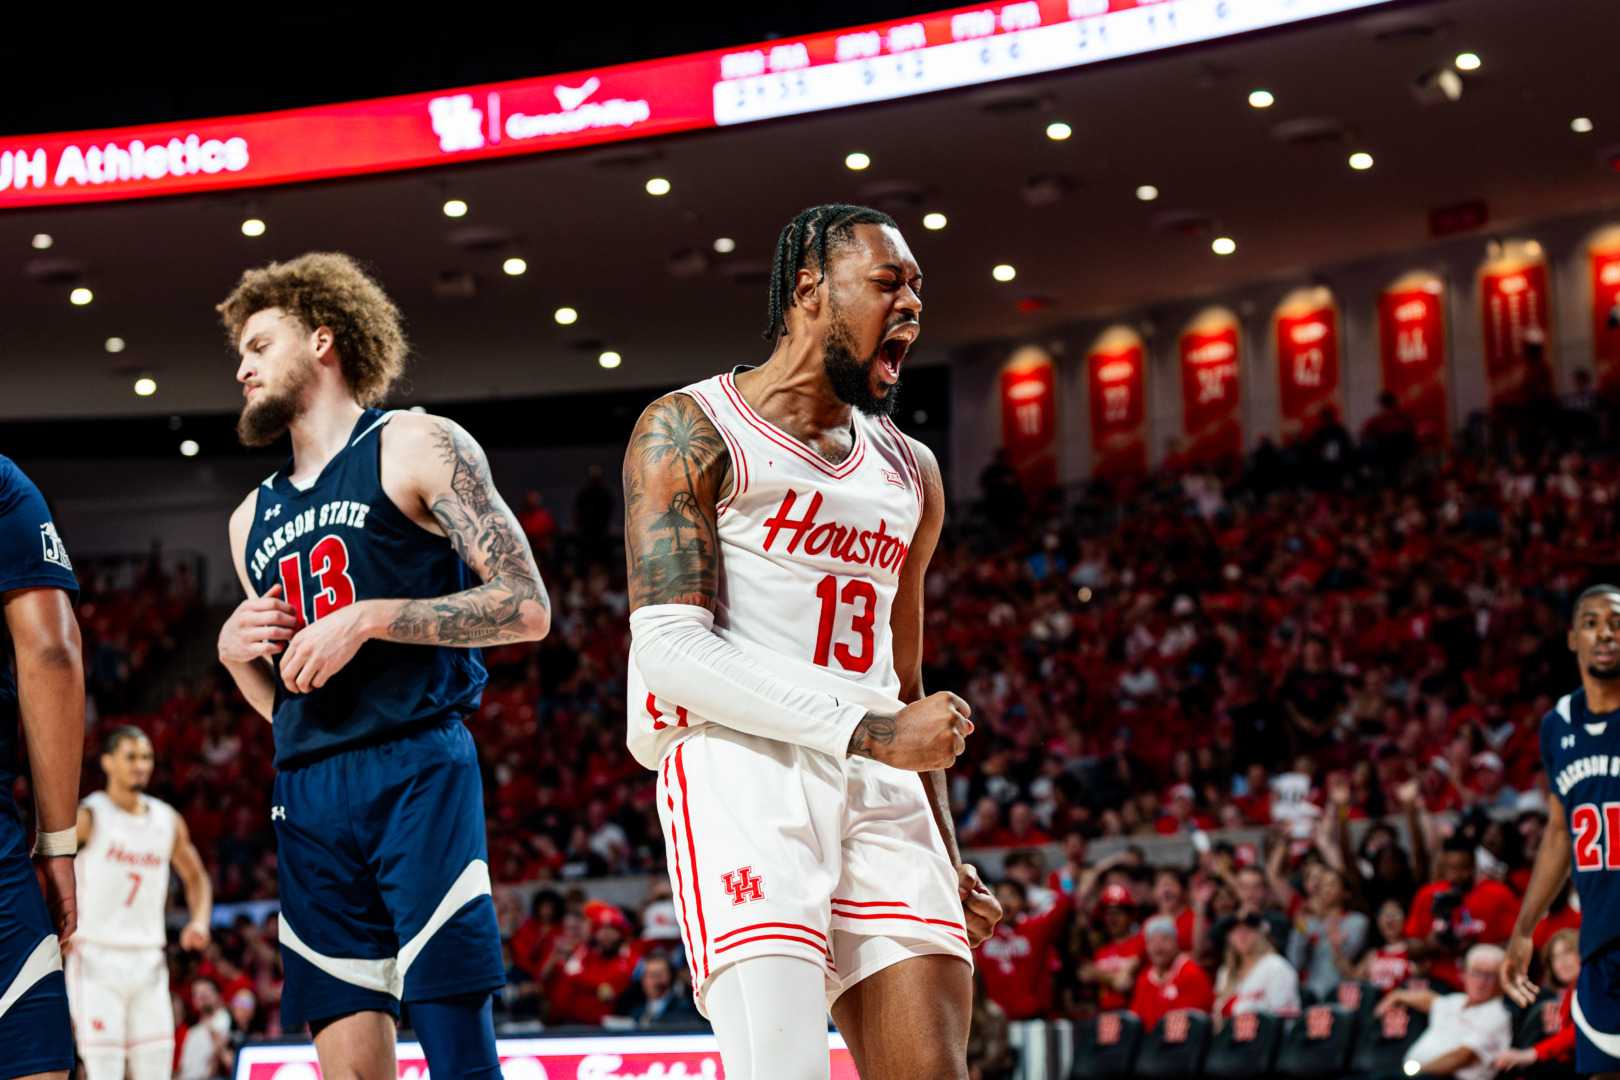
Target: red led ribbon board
(1029,422)
(1606,321)
(1210,394)
(1412,355)
(1118,411)
(1513,302)
(1307,367)
(830,70)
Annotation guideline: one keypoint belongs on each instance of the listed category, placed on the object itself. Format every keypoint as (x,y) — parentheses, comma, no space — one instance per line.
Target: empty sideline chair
(1317,1043)
(1176,1046)
(1105,1047)
(1244,1047)
(1382,1043)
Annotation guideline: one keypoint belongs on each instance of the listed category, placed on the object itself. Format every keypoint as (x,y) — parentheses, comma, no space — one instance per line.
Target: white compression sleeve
(684,661)
(770,1018)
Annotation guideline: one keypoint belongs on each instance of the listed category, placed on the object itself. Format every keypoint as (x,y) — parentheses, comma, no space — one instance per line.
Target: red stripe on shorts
(762,925)
(675,858)
(820,948)
(691,849)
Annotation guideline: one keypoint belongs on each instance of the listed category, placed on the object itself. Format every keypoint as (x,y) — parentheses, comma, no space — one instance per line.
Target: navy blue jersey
(31,556)
(343,540)
(1581,752)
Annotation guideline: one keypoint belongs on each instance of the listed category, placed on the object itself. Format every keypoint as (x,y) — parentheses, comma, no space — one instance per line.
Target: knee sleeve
(458,1036)
(103,1063)
(770,1016)
(151,1061)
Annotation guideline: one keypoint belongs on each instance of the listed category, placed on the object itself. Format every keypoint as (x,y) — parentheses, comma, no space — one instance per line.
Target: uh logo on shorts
(743,885)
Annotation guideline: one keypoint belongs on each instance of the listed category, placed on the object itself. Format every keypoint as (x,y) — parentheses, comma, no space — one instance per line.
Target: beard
(851,378)
(266,419)
(1607,674)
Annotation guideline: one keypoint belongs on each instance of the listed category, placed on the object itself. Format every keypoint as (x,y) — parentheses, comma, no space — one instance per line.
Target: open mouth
(892,355)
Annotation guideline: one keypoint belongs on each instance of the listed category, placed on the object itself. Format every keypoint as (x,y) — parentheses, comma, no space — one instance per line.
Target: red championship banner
(1605,263)
(1307,334)
(1211,420)
(1412,352)
(1514,304)
(1117,386)
(1029,418)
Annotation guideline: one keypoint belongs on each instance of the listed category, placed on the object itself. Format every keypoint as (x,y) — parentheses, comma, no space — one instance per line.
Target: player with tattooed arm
(778,527)
(375,562)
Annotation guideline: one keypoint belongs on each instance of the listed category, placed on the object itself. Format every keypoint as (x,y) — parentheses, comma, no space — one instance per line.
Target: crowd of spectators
(1303,646)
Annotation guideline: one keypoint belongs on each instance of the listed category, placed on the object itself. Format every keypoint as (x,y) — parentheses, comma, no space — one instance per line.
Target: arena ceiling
(647,282)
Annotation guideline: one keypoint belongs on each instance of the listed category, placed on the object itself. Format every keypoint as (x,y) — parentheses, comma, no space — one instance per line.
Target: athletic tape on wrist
(61,842)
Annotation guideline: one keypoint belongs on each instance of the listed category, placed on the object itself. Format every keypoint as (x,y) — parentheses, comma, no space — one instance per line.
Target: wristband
(49,845)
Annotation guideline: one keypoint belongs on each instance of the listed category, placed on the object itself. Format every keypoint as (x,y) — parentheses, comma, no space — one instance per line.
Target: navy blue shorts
(1597,1014)
(384,878)
(34,1028)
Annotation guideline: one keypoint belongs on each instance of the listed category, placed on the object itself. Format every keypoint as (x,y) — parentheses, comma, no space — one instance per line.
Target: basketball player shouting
(359,639)
(1578,751)
(117,975)
(37,589)
(777,530)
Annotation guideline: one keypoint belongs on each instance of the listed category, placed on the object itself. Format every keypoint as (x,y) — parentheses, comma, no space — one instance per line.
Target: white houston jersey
(810,561)
(123,873)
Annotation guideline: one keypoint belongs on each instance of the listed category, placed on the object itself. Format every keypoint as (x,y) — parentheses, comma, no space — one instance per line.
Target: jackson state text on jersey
(810,560)
(341,540)
(1581,752)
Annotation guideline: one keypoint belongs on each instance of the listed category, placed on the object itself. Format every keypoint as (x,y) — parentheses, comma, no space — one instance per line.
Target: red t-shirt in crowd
(1113,957)
(1016,962)
(1486,914)
(1183,986)
(1560,1045)
(577,994)
(1390,966)
(1565,918)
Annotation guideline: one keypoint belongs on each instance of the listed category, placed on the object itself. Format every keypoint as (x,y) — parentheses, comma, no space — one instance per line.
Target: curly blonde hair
(328,288)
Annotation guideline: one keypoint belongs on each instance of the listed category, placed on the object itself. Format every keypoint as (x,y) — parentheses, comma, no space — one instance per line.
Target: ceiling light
(1147,193)
(253,227)
(1003,272)
(514,266)
(115,344)
(1361,161)
(189,448)
(1057,131)
(857,161)
(610,360)
(934,222)
(42,240)
(145,386)
(1262,99)
(1223,245)
(80,296)
(1467,61)
(658,186)
(1581,125)
(725,245)
(565,316)
(455,208)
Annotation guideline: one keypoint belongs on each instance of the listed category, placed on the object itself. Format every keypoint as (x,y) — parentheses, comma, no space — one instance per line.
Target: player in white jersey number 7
(778,527)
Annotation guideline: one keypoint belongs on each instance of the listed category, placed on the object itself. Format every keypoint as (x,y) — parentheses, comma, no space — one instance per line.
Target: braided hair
(822,228)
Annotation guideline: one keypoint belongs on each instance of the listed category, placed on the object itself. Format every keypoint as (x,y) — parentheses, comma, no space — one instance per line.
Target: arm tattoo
(674,468)
(873,731)
(484,533)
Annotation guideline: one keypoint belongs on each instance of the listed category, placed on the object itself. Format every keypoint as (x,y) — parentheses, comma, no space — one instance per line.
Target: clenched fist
(925,735)
(260,626)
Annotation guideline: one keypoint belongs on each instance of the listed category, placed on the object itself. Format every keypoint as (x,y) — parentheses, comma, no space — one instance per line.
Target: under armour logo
(274,511)
(278,813)
(457,123)
(572,97)
(742,885)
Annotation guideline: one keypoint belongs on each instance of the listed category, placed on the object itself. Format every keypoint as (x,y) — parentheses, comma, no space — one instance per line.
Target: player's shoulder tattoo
(674,470)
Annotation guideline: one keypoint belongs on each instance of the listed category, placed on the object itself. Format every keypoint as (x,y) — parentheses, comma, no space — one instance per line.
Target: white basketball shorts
(122,1016)
(775,849)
